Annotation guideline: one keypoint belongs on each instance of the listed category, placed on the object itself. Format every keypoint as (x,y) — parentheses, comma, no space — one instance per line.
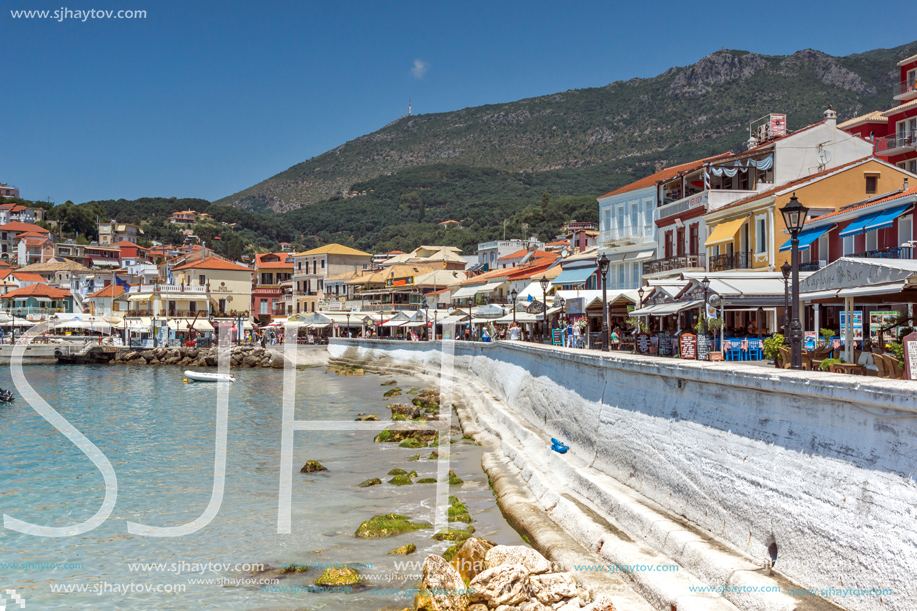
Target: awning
(616,258)
(878,289)
(819,295)
(858,224)
(105,263)
(146,297)
(490,287)
(393,323)
(725,232)
(667,309)
(573,276)
(639,256)
(887,218)
(466,292)
(452,320)
(806,238)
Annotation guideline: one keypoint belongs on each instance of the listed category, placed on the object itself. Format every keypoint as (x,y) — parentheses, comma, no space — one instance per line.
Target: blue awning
(856,226)
(806,237)
(573,276)
(886,218)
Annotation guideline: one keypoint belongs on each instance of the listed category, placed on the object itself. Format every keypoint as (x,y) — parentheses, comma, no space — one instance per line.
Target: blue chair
(755,351)
(735,350)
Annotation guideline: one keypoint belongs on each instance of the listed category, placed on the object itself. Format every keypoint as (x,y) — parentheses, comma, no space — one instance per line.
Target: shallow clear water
(158,433)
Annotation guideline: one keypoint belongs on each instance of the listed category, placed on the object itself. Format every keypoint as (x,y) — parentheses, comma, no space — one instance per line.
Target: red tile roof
(38,290)
(260,263)
(20,227)
(112,290)
(21,276)
(521,253)
(212,263)
(664,174)
(868,204)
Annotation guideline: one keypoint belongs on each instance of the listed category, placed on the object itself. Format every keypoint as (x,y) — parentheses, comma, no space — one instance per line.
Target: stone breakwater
(240,357)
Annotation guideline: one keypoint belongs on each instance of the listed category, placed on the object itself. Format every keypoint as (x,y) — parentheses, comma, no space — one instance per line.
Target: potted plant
(826,335)
(771,346)
(826,364)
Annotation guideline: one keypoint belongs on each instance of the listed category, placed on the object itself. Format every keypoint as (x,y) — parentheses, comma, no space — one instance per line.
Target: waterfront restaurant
(37,301)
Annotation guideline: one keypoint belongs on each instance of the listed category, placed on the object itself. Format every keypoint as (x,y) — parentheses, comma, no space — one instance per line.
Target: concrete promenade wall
(819,468)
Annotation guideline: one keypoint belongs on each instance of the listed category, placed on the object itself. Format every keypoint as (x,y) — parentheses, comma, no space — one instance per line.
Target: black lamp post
(706,284)
(640,294)
(348,324)
(603,271)
(786,268)
(794,217)
(544,303)
(560,301)
(512,295)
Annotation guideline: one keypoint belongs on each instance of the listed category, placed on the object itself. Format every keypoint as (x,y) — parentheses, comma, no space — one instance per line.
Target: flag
(122,283)
(169,274)
(711,312)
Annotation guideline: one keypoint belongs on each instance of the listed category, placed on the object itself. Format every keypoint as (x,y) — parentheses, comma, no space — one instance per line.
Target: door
(680,246)
(695,239)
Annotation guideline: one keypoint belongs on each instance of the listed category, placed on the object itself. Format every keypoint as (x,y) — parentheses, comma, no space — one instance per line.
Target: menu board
(665,344)
(910,356)
(857,325)
(703,347)
(643,343)
(688,346)
(879,320)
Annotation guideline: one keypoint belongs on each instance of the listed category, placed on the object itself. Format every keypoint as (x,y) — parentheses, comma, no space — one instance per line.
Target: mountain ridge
(680,114)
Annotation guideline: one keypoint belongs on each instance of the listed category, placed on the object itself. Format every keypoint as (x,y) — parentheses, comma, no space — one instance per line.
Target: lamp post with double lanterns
(706,284)
(603,272)
(794,217)
(786,268)
(544,303)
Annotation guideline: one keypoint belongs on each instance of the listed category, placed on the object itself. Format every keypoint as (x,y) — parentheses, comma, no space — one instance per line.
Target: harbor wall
(814,472)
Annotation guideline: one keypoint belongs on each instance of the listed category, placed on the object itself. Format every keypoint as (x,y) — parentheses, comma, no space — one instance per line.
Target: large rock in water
(518,554)
(445,586)
(471,558)
(507,584)
(553,587)
(388,525)
(313,466)
(339,576)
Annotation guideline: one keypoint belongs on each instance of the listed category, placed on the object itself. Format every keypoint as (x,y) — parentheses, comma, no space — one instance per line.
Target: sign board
(910,356)
(857,325)
(879,320)
(703,347)
(557,337)
(405,281)
(809,340)
(643,343)
(665,344)
(688,344)
(576,305)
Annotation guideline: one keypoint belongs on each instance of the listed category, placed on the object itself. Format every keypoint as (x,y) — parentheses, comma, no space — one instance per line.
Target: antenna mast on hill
(409,107)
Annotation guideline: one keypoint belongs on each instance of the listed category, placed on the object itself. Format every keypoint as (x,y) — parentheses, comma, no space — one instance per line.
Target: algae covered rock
(412,474)
(339,576)
(454,534)
(412,443)
(370,482)
(426,480)
(369,418)
(401,480)
(414,458)
(397,472)
(455,480)
(394,392)
(404,550)
(313,466)
(388,525)
(389,383)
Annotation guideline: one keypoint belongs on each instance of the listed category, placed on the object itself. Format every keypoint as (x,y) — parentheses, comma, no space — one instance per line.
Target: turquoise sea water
(158,433)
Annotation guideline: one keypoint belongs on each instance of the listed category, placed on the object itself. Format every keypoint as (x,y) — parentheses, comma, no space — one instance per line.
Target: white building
(489,252)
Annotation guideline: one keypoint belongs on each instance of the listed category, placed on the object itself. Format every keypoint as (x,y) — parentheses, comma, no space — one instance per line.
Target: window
(905,229)
(871,182)
(222,305)
(635,217)
(635,274)
(314,266)
(872,239)
(761,234)
(608,217)
(620,218)
(823,248)
(622,273)
(648,217)
(263,309)
(323,264)
(848,245)
(313,306)
(202,279)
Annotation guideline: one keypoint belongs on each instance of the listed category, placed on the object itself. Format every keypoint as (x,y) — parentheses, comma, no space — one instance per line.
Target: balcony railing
(896,252)
(905,90)
(673,263)
(628,232)
(736,260)
(894,144)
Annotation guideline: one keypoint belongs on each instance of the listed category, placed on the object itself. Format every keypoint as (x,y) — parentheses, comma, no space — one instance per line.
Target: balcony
(895,145)
(672,264)
(884,253)
(904,91)
(736,260)
(619,236)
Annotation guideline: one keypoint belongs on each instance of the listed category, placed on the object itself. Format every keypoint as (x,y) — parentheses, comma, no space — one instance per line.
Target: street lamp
(794,217)
(603,271)
(348,324)
(786,268)
(706,284)
(640,294)
(544,302)
(560,301)
(512,295)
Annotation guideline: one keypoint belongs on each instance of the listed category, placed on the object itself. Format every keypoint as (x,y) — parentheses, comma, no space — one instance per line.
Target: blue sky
(204,99)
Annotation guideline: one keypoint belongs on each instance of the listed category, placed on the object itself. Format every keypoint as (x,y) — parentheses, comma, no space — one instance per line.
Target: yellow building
(230,284)
(747,234)
(313,267)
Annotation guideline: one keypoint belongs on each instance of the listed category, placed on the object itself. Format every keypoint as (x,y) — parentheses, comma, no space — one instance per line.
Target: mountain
(625,128)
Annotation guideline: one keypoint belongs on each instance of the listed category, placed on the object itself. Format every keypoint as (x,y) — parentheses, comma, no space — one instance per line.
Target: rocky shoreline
(240,357)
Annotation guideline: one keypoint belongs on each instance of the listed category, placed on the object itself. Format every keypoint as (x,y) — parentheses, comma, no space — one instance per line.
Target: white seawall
(744,463)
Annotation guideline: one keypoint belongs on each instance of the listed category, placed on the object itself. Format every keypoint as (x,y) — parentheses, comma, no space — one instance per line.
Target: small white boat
(199,376)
